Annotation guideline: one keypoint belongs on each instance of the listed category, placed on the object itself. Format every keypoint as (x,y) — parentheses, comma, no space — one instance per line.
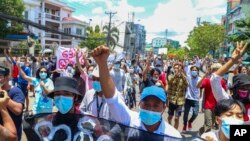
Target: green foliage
(94,38)
(23,44)
(205,38)
(114,36)
(13,8)
(179,53)
(243,29)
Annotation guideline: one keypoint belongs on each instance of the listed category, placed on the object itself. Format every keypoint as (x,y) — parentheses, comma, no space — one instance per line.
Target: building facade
(56,15)
(159,42)
(234,12)
(132,39)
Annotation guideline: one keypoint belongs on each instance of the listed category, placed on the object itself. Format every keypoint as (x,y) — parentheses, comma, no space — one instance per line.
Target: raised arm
(100,54)
(236,55)
(218,91)
(147,67)
(199,84)
(7,56)
(24,76)
(11,57)
(78,62)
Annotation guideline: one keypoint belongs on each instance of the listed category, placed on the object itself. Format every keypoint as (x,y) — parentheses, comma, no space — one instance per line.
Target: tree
(94,38)
(204,38)
(12,8)
(114,36)
(178,53)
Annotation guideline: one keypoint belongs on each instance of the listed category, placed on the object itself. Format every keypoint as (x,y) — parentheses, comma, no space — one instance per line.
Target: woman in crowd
(86,75)
(43,85)
(153,77)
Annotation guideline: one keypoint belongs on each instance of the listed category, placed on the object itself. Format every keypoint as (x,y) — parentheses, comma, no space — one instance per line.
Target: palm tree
(112,36)
(94,38)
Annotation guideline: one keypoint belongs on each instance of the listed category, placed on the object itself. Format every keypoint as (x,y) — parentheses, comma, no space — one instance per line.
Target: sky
(177,16)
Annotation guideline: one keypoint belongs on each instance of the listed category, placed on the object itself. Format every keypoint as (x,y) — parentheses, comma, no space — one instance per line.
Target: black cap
(65,84)
(117,62)
(240,80)
(4,70)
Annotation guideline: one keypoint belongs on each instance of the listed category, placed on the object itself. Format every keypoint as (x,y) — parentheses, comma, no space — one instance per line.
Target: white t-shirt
(89,105)
(122,114)
(118,78)
(211,134)
(193,93)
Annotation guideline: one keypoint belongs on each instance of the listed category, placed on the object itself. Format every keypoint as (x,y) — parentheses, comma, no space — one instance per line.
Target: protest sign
(67,56)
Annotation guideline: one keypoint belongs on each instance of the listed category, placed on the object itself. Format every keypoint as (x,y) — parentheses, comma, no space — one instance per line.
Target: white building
(56,15)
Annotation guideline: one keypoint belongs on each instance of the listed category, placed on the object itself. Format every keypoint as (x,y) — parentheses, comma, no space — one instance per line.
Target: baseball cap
(4,70)
(154,91)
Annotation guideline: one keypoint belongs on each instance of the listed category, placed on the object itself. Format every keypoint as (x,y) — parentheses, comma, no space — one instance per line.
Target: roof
(71,19)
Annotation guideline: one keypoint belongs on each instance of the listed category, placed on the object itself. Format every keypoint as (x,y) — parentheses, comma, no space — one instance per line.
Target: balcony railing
(50,16)
(52,35)
(66,37)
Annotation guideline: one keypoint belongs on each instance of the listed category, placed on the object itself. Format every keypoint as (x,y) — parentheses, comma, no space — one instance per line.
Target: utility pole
(111,14)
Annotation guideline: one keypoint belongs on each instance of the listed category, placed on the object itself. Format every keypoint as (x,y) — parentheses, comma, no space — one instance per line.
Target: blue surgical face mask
(21,64)
(69,68)
(117,66)
(131,70)
(97,86)
(194,73)
(43,75)
(63,103)
(226,122)
(149,117)
(155,79)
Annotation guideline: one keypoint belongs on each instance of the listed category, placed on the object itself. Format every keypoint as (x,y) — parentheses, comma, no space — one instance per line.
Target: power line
(111,14)
(42,27)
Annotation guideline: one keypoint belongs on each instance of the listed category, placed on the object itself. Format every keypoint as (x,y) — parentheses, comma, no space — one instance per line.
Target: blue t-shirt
(27,71)
(16,95)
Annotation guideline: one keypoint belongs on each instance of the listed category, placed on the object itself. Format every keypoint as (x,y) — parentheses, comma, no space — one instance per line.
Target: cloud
(180,16)
(97,10)
(95,20)
(176,15)
(208,4)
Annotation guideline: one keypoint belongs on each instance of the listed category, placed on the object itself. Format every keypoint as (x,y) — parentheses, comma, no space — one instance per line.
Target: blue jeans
(188,104)
(14,81)
(24,89)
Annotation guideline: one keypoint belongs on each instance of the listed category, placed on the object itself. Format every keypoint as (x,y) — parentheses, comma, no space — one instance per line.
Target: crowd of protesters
(109,90)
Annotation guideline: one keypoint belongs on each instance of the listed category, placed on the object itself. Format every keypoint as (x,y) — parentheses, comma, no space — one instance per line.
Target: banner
(163,51)
(67,56)
(73,127)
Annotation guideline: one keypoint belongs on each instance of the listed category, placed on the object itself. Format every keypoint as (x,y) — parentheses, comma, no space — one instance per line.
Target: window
(26,15)
(67,30)
(46,10)
(79,31)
